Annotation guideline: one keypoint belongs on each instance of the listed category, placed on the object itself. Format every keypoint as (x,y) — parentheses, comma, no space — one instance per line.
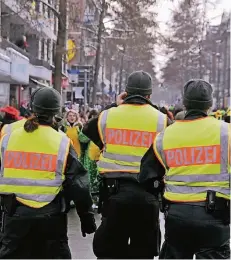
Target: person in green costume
(89,159)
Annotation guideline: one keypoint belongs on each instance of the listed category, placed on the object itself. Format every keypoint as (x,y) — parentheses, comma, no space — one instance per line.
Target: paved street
(81,248)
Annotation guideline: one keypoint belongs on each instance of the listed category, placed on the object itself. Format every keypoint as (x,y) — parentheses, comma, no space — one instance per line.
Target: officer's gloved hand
(88,225)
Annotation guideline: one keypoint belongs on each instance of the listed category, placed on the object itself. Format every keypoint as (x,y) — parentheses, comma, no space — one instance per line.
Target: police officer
(193,158)
(12,124)
(124,133)
(39,170)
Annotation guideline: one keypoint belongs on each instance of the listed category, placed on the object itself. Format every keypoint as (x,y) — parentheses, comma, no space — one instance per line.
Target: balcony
(33,60)
(24,14)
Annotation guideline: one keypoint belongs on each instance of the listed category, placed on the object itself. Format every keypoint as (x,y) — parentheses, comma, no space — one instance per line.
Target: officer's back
(192,156)
(125,132)
(39,171)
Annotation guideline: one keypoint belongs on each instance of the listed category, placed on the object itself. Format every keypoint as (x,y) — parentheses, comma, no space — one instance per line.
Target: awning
(38,83)
(40,72)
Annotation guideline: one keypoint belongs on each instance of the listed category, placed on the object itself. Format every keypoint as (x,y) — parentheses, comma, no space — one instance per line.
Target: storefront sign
(19,67)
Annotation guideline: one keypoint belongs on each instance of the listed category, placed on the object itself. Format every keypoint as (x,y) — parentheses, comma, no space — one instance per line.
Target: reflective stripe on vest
(183,165)
(119,142)
(7,129)
(36,192)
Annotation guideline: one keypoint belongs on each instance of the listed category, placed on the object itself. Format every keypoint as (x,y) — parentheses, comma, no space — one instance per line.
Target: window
(37,7)
(42,49)
(48,50)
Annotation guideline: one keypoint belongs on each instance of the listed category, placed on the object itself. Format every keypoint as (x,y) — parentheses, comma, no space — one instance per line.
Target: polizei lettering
(193,156)
(129,137)
(30,161)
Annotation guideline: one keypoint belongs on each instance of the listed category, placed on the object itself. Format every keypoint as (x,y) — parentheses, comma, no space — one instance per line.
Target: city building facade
(82,34)
(28,38)
(218,60)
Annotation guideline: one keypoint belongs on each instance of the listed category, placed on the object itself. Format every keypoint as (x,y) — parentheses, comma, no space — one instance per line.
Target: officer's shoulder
(61,132)
(108,110)
(18,130)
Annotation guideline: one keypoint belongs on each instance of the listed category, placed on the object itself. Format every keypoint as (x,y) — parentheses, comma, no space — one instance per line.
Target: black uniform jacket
(151,169)
(76,188)
(91,127)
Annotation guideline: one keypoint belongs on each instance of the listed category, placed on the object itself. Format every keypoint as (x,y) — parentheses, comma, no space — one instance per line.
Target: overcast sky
(164,15)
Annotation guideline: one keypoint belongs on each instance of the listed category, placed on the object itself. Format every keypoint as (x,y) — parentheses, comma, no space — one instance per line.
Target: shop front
(4,78)
(19,69)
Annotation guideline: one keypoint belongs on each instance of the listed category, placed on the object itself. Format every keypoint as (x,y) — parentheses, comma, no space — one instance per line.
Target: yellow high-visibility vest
(127,132)
(93,151)
(196,156)
(33,164)
(7,129)
(228,112)
(73,133)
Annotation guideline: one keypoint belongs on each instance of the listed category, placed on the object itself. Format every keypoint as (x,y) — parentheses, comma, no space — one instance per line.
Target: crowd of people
(72,122)
(132,160)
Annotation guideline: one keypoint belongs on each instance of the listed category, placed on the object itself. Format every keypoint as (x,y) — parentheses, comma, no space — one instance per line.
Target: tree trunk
(61,45)
(98,51)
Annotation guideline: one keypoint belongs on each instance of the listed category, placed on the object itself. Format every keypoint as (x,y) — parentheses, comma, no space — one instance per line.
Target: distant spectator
(72,127)
(164,110)
(11,115)
(180,115)
(24,111)
(177,110)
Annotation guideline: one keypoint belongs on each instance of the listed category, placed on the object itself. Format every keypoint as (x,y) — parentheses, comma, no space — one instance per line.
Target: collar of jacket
(194,114)
(68,124)
(136,100)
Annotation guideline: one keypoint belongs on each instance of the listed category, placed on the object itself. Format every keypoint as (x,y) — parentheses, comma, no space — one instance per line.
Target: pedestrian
(40,174)
(165,111)
(180,115)
(192,156)
(11,120)
(91,156)
(24,111)
(177,109)
(83,118)
(124,133)
(72,127)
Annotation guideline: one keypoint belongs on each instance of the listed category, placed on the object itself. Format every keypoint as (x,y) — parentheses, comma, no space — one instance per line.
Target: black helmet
(198,94)
(139,83)
(46,101)
(32,98)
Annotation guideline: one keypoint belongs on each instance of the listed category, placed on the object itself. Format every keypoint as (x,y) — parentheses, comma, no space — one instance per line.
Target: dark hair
(81,114)
(227,119)
(31,124)
(34,121)
(92,113)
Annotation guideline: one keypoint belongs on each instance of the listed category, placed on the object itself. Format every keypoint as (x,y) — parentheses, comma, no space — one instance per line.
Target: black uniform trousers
(189,231)
(133,214)
(41,237)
